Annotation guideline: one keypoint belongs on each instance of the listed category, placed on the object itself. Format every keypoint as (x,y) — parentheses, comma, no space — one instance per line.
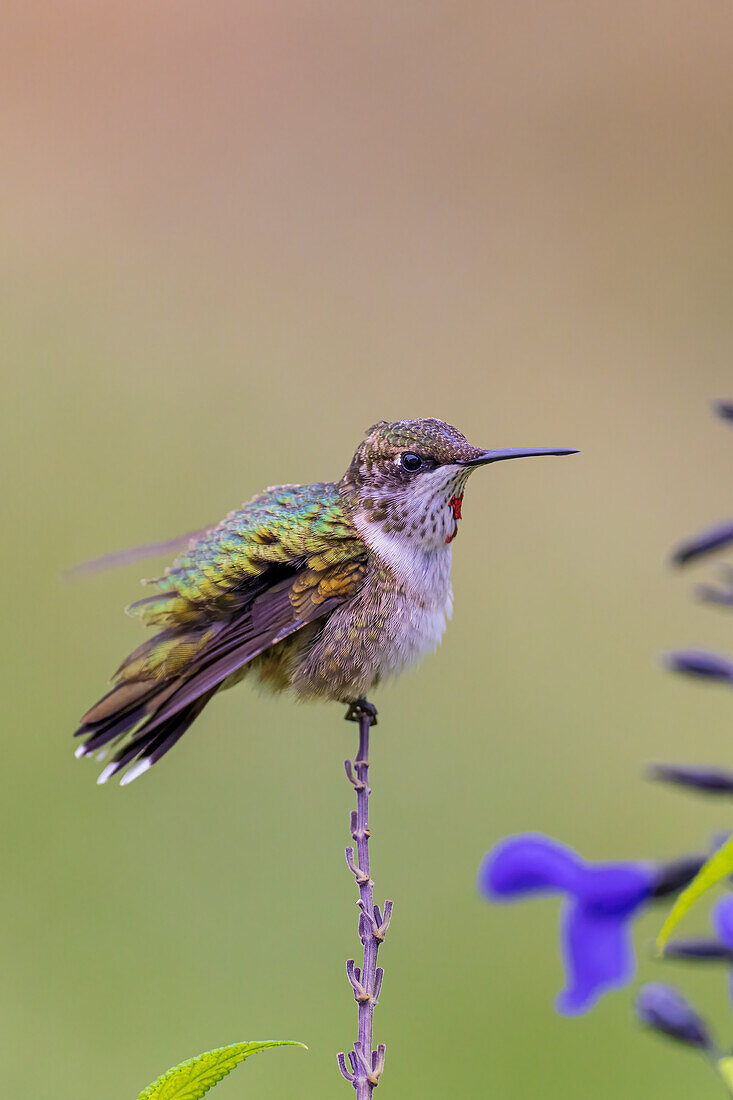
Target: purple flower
(701,663)
(724,409)
(713,538)
(697,777)
(720,594)
(698,949)
(701,949)
(600,901)
(722,917)
(664,1009)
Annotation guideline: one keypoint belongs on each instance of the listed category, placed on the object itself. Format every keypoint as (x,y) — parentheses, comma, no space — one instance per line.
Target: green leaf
(192,1079)
(717,867)
(725,1069)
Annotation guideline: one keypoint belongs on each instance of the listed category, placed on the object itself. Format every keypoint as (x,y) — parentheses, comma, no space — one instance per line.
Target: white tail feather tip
(80,751)
(108,771)
(136,770)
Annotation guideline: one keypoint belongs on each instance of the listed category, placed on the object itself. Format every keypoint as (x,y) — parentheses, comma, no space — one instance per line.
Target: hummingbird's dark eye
(410,462)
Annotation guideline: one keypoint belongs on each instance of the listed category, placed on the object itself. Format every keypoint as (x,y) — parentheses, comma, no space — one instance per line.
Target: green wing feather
(288,557)
(287,526)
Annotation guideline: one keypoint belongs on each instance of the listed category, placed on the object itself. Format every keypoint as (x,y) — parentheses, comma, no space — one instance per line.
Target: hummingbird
(320,590)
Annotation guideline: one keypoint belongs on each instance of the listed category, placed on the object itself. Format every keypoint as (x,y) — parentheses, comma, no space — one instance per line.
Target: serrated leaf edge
(209,1065)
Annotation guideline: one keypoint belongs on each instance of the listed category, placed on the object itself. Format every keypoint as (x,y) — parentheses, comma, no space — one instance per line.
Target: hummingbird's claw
(359,709)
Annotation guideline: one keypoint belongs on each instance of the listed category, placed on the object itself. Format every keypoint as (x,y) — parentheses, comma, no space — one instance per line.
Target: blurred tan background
(235,235)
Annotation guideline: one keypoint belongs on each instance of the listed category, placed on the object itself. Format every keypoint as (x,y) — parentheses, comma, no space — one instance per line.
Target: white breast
(419,605)
(415,631)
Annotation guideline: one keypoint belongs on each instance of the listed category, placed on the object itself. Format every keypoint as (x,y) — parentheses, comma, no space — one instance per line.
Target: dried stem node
(365,1065)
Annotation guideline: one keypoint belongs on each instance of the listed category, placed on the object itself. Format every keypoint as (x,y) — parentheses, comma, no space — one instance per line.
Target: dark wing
(288,558)
(134,553)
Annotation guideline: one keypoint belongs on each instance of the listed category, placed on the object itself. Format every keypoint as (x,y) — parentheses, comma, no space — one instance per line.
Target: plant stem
(366,1064)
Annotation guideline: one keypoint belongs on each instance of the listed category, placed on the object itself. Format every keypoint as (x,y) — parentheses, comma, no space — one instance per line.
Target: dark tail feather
(109,731)
(142,736)
(118,712)
(148,746)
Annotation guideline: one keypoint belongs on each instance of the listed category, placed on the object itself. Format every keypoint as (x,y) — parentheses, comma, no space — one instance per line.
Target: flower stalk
(365,1065)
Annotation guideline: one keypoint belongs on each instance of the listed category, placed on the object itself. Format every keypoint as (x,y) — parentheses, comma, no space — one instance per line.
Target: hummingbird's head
(407,478)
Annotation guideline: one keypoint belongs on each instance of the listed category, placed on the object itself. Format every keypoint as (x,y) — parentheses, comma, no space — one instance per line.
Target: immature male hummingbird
(321,590)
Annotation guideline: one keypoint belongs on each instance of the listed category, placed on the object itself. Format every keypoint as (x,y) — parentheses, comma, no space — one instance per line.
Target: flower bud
(698,950)
(698,662)
(662,1008)
(710,780)
(673,876)
(724,409)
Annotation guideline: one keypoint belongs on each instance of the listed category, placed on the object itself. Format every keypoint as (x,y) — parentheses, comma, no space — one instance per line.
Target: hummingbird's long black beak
(515,452)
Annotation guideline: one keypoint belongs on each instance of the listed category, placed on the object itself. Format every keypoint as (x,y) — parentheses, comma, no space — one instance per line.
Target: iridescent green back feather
(287,525)
(283,561)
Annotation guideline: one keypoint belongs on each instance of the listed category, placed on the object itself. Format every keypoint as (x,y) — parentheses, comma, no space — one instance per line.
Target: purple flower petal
(699,662)
(601,900)
(722,917)
(615,889)
(528,864)
(598,957)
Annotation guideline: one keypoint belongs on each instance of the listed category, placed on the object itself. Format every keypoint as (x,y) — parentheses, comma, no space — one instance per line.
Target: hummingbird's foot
(359,709)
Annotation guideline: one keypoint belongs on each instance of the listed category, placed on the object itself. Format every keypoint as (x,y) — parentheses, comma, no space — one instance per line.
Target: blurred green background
(235,235)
